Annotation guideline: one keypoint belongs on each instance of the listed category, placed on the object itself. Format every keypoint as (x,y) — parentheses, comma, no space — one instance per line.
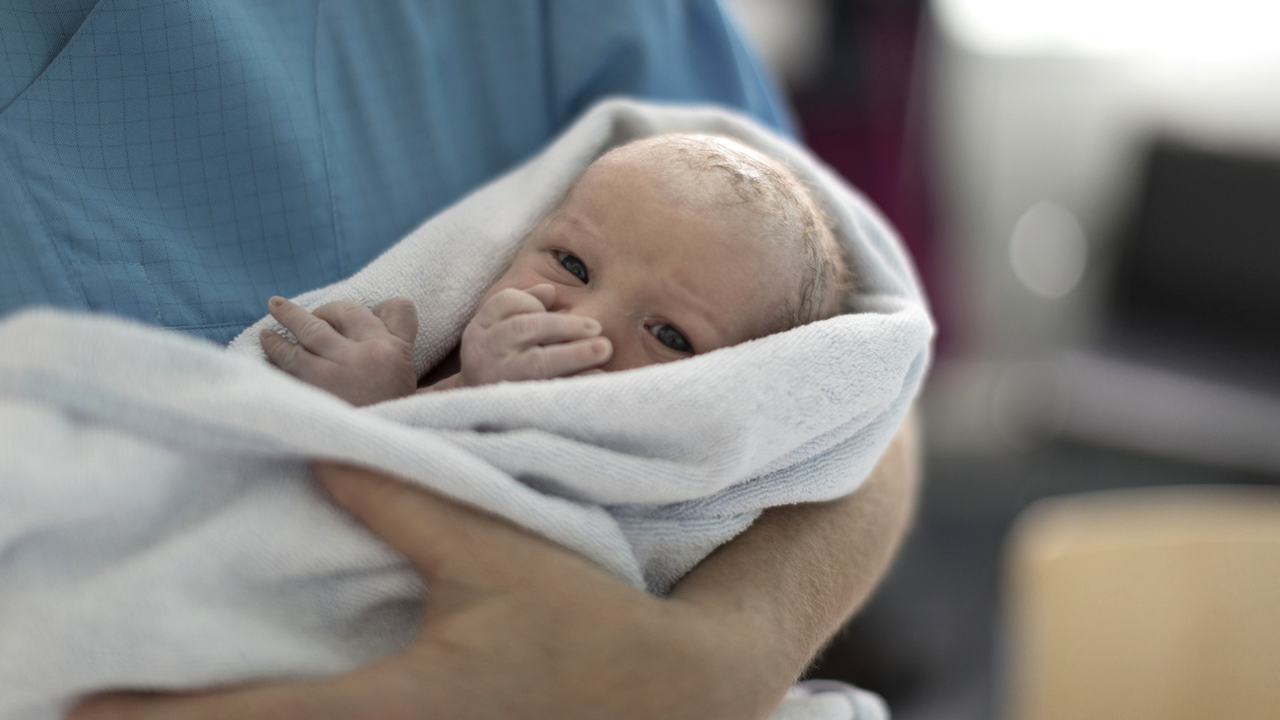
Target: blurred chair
(1160,604)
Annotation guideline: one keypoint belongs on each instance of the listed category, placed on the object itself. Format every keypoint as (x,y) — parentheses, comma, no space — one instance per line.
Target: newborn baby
(664,248)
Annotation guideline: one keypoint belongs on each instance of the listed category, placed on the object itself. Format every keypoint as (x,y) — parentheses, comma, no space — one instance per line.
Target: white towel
(158,526)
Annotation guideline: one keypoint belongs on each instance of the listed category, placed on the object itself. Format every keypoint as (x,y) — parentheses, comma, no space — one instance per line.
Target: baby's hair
(792,217)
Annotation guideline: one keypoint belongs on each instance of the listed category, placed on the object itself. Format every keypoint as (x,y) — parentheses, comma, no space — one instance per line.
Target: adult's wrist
(741,667)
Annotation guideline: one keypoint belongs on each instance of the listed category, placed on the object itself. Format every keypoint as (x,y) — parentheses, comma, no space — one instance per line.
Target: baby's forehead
(711,177)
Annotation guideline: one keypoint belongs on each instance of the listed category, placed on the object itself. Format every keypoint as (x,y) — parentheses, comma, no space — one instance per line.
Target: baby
(664,248)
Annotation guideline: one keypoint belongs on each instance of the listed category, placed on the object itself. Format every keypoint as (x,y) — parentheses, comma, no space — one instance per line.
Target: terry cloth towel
(158,524)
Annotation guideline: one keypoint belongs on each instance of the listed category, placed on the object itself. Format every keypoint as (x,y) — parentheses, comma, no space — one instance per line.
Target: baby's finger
(545,293)
(288,356)
(521,332)
(400,317)
(506,303)
(353,320)
(313,333)
(551,361)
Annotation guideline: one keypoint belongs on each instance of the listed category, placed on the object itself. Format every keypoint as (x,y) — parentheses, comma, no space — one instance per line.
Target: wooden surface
(1159,604)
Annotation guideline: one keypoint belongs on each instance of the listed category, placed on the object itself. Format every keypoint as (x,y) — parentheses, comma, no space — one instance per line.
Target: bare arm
(518,627)
(789,582)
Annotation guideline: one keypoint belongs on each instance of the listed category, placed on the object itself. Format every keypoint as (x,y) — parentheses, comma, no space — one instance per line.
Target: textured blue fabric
(180,161)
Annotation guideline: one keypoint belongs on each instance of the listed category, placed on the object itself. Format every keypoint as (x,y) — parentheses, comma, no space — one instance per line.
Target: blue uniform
(180,161)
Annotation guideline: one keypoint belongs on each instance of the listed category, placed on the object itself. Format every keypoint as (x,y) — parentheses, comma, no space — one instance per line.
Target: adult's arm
(779,591)
(518,627)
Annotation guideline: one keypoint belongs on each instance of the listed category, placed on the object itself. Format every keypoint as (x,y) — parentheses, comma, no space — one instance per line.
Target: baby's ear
(545,293)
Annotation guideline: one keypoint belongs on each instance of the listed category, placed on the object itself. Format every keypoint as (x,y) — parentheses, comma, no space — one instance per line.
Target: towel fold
(158,526)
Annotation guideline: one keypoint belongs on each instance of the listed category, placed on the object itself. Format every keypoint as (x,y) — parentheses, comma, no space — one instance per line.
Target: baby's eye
(573,265)
(671,337)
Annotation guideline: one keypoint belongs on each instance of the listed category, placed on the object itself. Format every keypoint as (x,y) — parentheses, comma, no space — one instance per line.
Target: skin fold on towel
(664,248)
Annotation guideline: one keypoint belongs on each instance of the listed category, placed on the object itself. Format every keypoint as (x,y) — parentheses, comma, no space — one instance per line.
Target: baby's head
(682,244)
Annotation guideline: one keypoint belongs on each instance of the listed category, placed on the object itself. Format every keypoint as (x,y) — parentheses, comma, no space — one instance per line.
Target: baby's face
(664,278)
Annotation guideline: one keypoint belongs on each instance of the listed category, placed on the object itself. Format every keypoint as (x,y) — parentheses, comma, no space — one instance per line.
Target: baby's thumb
(545,294)
(400,317)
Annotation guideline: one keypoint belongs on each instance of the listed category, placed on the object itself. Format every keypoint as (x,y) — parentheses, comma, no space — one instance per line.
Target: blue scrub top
(180,161)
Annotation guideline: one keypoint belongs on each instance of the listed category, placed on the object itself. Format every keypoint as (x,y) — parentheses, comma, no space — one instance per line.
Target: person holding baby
(516,626)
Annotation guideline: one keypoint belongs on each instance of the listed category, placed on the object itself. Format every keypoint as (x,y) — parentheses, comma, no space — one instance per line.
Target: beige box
(1152,604)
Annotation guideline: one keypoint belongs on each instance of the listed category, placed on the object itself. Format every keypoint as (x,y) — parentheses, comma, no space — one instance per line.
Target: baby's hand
(361,356)
(513,337)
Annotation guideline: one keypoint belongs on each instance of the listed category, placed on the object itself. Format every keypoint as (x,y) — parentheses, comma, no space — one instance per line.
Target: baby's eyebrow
(570,224)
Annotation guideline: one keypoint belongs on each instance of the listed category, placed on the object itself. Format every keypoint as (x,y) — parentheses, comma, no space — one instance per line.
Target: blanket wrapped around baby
(159,527)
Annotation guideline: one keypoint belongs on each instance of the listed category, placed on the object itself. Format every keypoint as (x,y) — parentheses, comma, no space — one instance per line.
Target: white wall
(1035,101)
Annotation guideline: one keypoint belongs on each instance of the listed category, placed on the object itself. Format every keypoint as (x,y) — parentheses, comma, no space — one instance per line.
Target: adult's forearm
(779,590)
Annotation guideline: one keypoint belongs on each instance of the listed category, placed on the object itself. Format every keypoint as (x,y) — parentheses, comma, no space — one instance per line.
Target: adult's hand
(515,627)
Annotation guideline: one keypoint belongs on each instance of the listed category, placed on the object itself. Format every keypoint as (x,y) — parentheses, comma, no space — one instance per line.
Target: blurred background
(1091,192)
